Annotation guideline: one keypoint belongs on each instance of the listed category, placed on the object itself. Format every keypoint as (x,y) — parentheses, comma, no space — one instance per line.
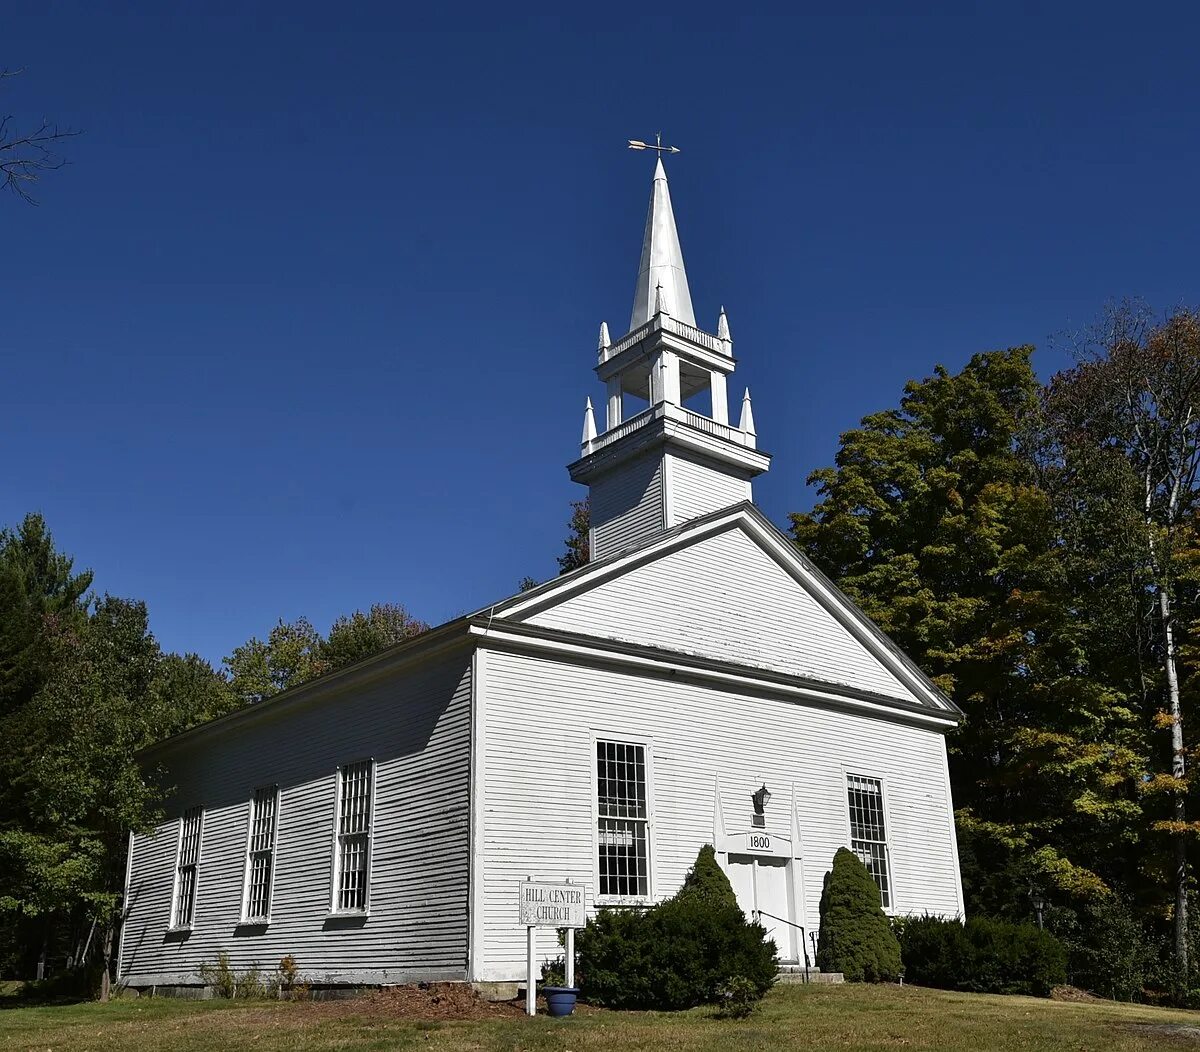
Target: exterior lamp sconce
(760,799)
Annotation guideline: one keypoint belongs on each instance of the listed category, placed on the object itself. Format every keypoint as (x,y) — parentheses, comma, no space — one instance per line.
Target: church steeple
(661,282)
(676,457)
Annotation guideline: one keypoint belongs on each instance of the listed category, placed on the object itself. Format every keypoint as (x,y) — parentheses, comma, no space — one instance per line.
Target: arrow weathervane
(637,144)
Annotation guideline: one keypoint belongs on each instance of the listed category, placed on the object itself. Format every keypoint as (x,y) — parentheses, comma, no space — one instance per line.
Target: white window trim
(624,738)
(246,919)
(857,772)
(174,924)
(334,873)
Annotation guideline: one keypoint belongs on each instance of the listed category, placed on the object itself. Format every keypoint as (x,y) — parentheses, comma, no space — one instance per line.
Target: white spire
(723,327)
(662,261)
(605,342)
(589,424)
(746,424)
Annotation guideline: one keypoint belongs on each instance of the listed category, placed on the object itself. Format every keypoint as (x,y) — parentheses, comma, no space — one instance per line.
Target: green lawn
(811,1018)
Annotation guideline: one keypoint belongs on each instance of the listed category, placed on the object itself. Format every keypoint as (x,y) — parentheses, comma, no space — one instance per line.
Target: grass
(812,1018)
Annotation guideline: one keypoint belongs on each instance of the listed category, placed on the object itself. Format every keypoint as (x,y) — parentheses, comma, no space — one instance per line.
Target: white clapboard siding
(695,489)
(626,505)
(415,724)
(542,717)
(724,597)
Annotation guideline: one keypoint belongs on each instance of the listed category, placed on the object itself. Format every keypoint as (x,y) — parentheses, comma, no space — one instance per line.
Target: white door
(774,904)
(761,886)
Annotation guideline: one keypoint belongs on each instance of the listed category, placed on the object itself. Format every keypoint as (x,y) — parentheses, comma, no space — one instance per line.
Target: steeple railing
(666,410)
(712,427)
(667,324)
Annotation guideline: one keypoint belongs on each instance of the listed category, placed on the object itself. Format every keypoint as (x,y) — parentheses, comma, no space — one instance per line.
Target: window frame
(847,774)
(273,850)
(174,922)
(336,860)
(647,745)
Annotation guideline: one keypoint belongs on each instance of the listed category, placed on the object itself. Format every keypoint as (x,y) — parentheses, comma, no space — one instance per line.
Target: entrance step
(795,973)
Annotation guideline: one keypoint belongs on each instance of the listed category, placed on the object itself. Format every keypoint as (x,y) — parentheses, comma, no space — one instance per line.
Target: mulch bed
(1073,993)
(427,1001)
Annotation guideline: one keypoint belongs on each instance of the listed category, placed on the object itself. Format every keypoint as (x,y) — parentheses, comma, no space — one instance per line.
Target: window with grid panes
(354,836)
(623,819)
(185,875)
(260,857)
(868,835)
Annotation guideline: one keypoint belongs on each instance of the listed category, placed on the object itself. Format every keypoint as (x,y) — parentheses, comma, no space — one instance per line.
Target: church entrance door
(762,888)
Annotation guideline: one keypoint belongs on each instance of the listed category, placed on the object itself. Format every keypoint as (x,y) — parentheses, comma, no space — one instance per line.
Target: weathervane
(637,144)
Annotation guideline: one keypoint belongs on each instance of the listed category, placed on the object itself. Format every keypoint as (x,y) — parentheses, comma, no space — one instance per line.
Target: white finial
(659,308)
(589,424)
(723,327)
(605,342)
(747,422)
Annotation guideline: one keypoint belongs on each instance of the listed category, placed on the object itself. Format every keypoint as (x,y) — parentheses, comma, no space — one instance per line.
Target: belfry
(667,453)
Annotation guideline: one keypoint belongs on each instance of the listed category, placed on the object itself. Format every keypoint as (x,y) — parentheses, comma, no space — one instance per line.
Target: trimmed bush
(686,951)
(856,938)
(984,955)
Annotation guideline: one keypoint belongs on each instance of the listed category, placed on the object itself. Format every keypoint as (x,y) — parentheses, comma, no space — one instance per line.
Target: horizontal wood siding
(626,505)
(542,716)
(724,597)
(696,489)
(416,725)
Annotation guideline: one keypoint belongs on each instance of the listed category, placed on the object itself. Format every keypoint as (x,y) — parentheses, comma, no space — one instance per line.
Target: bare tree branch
(25,157)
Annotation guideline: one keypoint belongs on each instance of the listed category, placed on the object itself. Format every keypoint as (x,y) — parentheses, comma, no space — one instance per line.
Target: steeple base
(659,469)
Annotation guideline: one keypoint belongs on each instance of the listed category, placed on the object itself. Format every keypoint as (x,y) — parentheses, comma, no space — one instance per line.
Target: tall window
(868,836)
(185,873)
(353,837)
(622,815)
(260,856)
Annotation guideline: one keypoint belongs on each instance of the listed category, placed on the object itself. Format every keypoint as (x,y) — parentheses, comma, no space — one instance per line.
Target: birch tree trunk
(1178,771)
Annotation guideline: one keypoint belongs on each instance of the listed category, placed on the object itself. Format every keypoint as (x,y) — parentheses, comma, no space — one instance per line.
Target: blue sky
(309,320)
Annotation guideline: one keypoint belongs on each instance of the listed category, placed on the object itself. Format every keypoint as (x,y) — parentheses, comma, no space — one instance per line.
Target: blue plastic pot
(560,1000)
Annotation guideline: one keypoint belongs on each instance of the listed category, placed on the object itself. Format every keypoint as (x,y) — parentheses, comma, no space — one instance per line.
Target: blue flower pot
(560,1000)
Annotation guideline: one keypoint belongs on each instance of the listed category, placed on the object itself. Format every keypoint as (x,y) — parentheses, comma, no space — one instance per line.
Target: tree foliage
(295,652)
(578,543)
(1033,547)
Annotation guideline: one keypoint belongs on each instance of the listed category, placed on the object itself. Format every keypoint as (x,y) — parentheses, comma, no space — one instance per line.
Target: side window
(622,817)
(868,834)
(260,853)
(352,853)
(184,907)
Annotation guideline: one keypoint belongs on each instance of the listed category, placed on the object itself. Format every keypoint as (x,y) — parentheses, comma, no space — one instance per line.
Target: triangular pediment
(730,588)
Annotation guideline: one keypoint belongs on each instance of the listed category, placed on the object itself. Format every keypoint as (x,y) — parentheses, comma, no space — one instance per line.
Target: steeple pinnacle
(662,262)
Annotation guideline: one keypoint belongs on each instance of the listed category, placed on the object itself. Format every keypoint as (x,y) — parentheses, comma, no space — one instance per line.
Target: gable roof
(842,639)
(520,613)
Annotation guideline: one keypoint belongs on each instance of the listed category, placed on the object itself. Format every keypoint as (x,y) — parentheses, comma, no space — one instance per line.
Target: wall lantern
(760,799)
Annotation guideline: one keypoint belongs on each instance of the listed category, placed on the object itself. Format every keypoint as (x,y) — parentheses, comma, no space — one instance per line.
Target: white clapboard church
(699,681)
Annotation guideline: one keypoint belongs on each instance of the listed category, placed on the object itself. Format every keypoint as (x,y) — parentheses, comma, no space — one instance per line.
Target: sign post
(547,905)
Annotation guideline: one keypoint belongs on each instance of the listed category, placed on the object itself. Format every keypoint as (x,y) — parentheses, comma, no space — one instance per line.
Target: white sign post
(545,905)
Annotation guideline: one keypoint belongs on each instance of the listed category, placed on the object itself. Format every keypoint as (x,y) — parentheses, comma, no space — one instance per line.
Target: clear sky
(309,321)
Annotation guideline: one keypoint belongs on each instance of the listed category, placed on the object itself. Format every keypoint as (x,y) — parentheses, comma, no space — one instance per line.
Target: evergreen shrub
(686,951)
(856,938)
(984,955)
